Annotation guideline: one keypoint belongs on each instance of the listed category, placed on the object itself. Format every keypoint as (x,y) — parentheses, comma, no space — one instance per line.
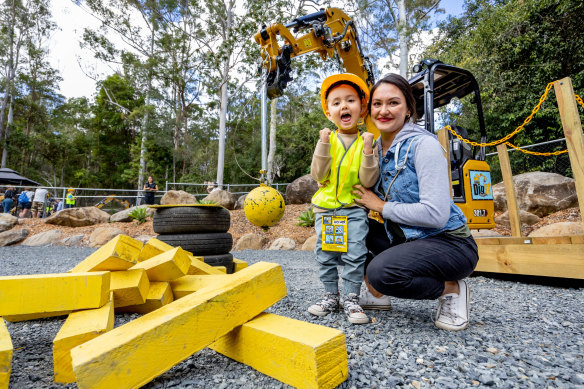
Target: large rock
(78,217)
(283,244)
(539,193)
(73,240)
(559,229)
(525,218)
(124,216)
(7,221)
(309,244)
(240,201)
(102,235)
(250,241)
(46,238)
(301,190)
(13,236)
(223,198)
(177,197)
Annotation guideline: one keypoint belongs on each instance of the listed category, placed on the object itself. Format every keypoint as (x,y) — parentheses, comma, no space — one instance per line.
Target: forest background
(185,77)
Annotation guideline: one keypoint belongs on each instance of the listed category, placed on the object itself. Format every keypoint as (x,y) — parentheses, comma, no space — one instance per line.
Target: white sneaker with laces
(328,304)
(368,301)
(453,309)
(355,314)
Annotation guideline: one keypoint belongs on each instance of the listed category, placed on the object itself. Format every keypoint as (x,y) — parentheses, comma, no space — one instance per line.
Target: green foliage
(138,214)
(306,218)
(206,202)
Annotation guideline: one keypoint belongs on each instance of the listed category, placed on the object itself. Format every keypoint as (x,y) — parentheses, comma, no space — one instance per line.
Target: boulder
(73,240)
(145,238)
(124,216)
(283,244)
(559,229)
(223,198)
(301,190)
(13,236)
(239,202)
(46,238)
(102,235)
(309,244)
(250,241)
(539,193)
(78,217)
(525,218)
(177,197)
(7,221)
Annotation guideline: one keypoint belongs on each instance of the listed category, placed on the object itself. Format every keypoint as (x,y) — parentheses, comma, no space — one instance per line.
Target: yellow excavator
(331,33)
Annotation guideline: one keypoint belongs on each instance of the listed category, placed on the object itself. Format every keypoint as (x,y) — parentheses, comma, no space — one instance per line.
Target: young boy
(342,159)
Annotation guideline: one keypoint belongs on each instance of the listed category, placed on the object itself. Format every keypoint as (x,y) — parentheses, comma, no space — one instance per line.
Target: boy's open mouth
(346,117)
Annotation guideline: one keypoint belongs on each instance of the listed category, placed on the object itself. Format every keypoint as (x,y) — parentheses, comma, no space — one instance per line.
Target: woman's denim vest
(405,189)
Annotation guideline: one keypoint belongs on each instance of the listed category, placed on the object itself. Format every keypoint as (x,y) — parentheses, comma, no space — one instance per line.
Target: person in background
(58,205)
(25,202)
(38,202)
(7,202)
(150,188)
(70,198)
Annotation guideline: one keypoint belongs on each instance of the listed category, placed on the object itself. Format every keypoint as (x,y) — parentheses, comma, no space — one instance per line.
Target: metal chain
(535,152)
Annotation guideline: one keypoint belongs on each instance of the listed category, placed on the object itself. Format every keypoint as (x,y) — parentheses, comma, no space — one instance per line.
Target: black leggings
(417,269)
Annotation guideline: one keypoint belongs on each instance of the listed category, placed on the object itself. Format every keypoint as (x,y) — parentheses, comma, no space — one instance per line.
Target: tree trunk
(272,149)
(7,132)
(403,39)
(223,110)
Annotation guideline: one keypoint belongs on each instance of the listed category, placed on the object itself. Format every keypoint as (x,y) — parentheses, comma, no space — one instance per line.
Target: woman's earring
(407,117)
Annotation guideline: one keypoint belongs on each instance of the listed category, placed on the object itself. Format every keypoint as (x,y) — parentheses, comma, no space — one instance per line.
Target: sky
(78,67)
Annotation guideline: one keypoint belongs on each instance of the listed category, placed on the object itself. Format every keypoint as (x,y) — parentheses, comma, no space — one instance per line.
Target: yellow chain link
(519,128)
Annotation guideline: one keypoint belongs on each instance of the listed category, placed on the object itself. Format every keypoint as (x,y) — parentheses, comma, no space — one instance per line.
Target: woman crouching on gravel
(423,249)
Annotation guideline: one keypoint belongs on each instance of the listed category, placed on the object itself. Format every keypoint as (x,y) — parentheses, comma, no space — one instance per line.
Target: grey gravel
(520,335)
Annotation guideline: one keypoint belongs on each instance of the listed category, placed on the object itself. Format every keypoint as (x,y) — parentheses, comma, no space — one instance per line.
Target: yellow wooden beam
(300,354)
(79,327)
(35,316)
(130,287)
(200,267)
(120,253)
(444,140)
(192,283)
(167,266)
(22,295)
(133,354)
(6,350)
(239,265)
(152,248)
(158,296)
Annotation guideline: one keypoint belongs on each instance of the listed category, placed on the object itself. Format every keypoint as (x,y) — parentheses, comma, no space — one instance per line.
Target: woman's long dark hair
(404,86)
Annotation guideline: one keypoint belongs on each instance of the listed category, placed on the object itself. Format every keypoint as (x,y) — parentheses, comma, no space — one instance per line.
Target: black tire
(185,220)
(220,260)
(201,244)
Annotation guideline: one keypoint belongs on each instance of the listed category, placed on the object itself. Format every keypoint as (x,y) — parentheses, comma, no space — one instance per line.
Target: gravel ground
(520,336)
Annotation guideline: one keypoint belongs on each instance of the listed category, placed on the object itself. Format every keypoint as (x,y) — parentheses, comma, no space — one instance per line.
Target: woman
(423,249)
(149,189)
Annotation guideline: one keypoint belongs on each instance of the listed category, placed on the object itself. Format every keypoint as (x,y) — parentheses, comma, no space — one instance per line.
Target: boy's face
(344,108)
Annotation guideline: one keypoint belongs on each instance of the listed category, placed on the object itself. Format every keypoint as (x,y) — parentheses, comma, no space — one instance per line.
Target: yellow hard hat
(70,190)
(343,78)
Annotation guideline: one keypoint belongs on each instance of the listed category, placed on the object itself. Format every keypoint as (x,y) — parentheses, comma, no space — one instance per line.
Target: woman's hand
(368,198)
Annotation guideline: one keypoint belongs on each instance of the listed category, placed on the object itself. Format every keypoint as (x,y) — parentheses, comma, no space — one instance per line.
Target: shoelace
(445,308)
(352,305)
(329,301)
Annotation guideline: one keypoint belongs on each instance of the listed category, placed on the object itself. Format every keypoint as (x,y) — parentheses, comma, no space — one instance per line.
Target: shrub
(306,219)
(138,214)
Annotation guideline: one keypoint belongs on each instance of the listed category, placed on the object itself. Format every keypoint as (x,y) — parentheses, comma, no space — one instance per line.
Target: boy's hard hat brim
(335,78)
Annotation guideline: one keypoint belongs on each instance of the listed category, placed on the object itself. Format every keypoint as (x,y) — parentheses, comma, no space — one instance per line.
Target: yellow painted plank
(200,267)
(133,354)
(222,269)
(6,350)
(120,253)
(158,296)
(79,327)
(35,316)
(555,260)
(239,264)
(130,287)
(22,295)
(300,354)
(167,266)
(154,247)
(192,283)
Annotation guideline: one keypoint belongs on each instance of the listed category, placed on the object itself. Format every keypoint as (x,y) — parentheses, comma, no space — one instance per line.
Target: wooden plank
(514,240)
(200,267)
(167,266)
(22,295)
(79,327)
(444,140)
(158,296)
(239,264)
(35,316)
(130,287)
(557,260)
(193,283)
(133,354)
(577,239)
(154,247)
(510,196)
(297,353)
(487,241)
(551,240)
(6,351)
(573,133)
(120,253)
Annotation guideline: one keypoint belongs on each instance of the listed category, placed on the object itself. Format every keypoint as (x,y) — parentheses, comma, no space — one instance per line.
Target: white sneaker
(453,309)
(368,301)
(328,304)
(355,314)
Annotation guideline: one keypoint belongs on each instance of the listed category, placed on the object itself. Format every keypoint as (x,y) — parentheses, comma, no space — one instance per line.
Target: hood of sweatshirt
(409,130)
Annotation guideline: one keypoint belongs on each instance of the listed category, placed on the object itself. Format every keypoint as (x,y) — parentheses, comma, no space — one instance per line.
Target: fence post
(513,212)
(573,133)
(443,139)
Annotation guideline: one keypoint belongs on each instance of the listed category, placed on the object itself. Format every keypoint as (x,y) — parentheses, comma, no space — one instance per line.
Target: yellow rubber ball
(264,206)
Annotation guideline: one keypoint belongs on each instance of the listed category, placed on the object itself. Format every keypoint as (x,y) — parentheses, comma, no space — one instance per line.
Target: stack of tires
(200,229)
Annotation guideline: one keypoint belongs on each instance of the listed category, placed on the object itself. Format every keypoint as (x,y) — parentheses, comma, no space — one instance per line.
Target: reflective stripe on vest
(342,176)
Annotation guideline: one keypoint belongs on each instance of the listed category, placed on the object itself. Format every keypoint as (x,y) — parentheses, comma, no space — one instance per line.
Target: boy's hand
(367,143)
(325,135)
